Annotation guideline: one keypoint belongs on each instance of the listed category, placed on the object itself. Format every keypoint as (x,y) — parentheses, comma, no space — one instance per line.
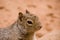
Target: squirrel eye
(29,22)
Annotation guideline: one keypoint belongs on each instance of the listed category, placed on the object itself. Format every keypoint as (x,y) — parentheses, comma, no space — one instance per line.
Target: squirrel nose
(39,27)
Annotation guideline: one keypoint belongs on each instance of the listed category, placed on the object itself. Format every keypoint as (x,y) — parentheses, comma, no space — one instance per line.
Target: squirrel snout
(39,27)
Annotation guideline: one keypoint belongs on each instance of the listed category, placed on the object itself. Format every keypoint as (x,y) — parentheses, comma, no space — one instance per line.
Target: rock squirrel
(22,29)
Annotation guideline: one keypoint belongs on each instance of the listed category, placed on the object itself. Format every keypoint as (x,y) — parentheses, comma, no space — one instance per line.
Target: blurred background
(48,12)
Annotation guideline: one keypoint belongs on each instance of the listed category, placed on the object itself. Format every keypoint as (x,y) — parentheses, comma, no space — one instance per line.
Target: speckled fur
(22,29)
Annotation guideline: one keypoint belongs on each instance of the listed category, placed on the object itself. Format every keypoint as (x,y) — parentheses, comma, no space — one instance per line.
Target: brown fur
(22,29)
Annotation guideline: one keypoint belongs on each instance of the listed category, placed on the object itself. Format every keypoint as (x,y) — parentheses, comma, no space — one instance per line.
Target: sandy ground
(48,12)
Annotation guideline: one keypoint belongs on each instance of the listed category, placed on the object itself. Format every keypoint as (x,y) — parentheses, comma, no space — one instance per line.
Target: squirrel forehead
(30,16)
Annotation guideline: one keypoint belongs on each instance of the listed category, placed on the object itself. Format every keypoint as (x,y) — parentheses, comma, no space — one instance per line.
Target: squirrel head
(29,22)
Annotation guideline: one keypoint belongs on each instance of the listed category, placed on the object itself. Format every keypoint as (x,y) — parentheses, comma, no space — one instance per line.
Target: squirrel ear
(20,15)
(27,12)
